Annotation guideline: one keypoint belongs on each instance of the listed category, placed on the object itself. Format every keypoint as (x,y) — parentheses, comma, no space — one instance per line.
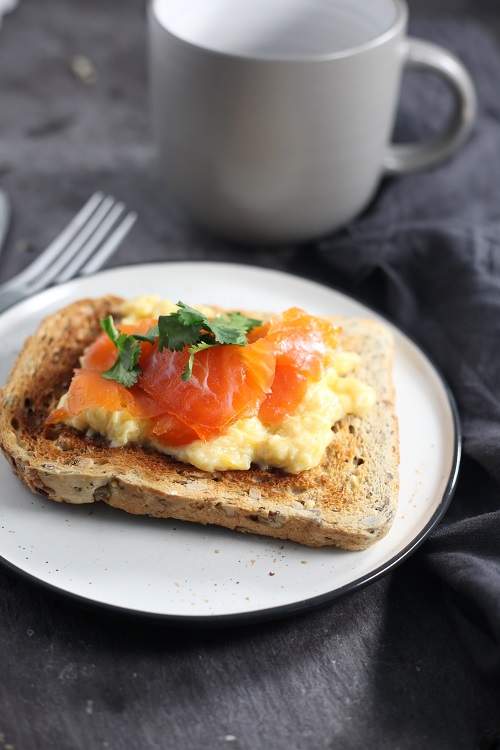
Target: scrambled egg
(152,306)
(295,445)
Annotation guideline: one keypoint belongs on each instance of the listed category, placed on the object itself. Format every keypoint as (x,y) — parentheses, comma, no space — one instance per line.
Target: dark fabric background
(411,661)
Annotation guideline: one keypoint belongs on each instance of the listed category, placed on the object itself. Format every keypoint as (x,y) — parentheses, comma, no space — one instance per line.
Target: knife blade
(5,213)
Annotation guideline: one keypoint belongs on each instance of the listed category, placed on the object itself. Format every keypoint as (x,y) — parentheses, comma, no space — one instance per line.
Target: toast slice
(349,500)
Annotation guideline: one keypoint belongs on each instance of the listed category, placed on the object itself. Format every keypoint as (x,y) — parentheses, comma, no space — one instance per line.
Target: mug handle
(407,157)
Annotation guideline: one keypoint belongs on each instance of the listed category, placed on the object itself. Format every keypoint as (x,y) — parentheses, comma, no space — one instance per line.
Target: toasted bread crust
(351,497)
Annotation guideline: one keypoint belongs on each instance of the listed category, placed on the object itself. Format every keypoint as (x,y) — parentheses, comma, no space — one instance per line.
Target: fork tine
(83,246)
(91,245)
(57,246)
(109,247)
(74,247)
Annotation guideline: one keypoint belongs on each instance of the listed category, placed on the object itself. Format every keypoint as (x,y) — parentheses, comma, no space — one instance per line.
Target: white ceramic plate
(183,571)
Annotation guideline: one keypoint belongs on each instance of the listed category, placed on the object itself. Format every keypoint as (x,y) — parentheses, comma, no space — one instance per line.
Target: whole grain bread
(349,500)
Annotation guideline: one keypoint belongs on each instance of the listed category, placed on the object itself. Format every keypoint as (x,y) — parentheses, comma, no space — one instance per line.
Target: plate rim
(302,605)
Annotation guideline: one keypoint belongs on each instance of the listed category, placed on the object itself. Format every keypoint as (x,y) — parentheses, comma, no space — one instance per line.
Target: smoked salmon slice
(287,391)
(299,340)
(88,390)
(169,430)
(227,383)
(300,343)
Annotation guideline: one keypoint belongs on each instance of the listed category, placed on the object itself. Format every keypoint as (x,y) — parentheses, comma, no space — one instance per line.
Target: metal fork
(83,247)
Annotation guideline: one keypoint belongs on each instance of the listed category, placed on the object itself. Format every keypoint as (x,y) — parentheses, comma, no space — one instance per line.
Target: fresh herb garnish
(186,327)
(125,370)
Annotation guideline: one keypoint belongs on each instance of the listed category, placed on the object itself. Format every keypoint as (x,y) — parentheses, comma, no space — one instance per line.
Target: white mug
(273,118)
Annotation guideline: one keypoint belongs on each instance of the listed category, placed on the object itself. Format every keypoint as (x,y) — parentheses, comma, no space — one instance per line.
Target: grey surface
(383,668)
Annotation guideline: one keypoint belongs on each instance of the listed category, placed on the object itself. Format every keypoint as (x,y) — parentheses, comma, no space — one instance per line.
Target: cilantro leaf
(108,326)
(125,369)
(150,336)
(232,328)
(189,316)
(188,368)
(187,327)
(173,334)
(127,376)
